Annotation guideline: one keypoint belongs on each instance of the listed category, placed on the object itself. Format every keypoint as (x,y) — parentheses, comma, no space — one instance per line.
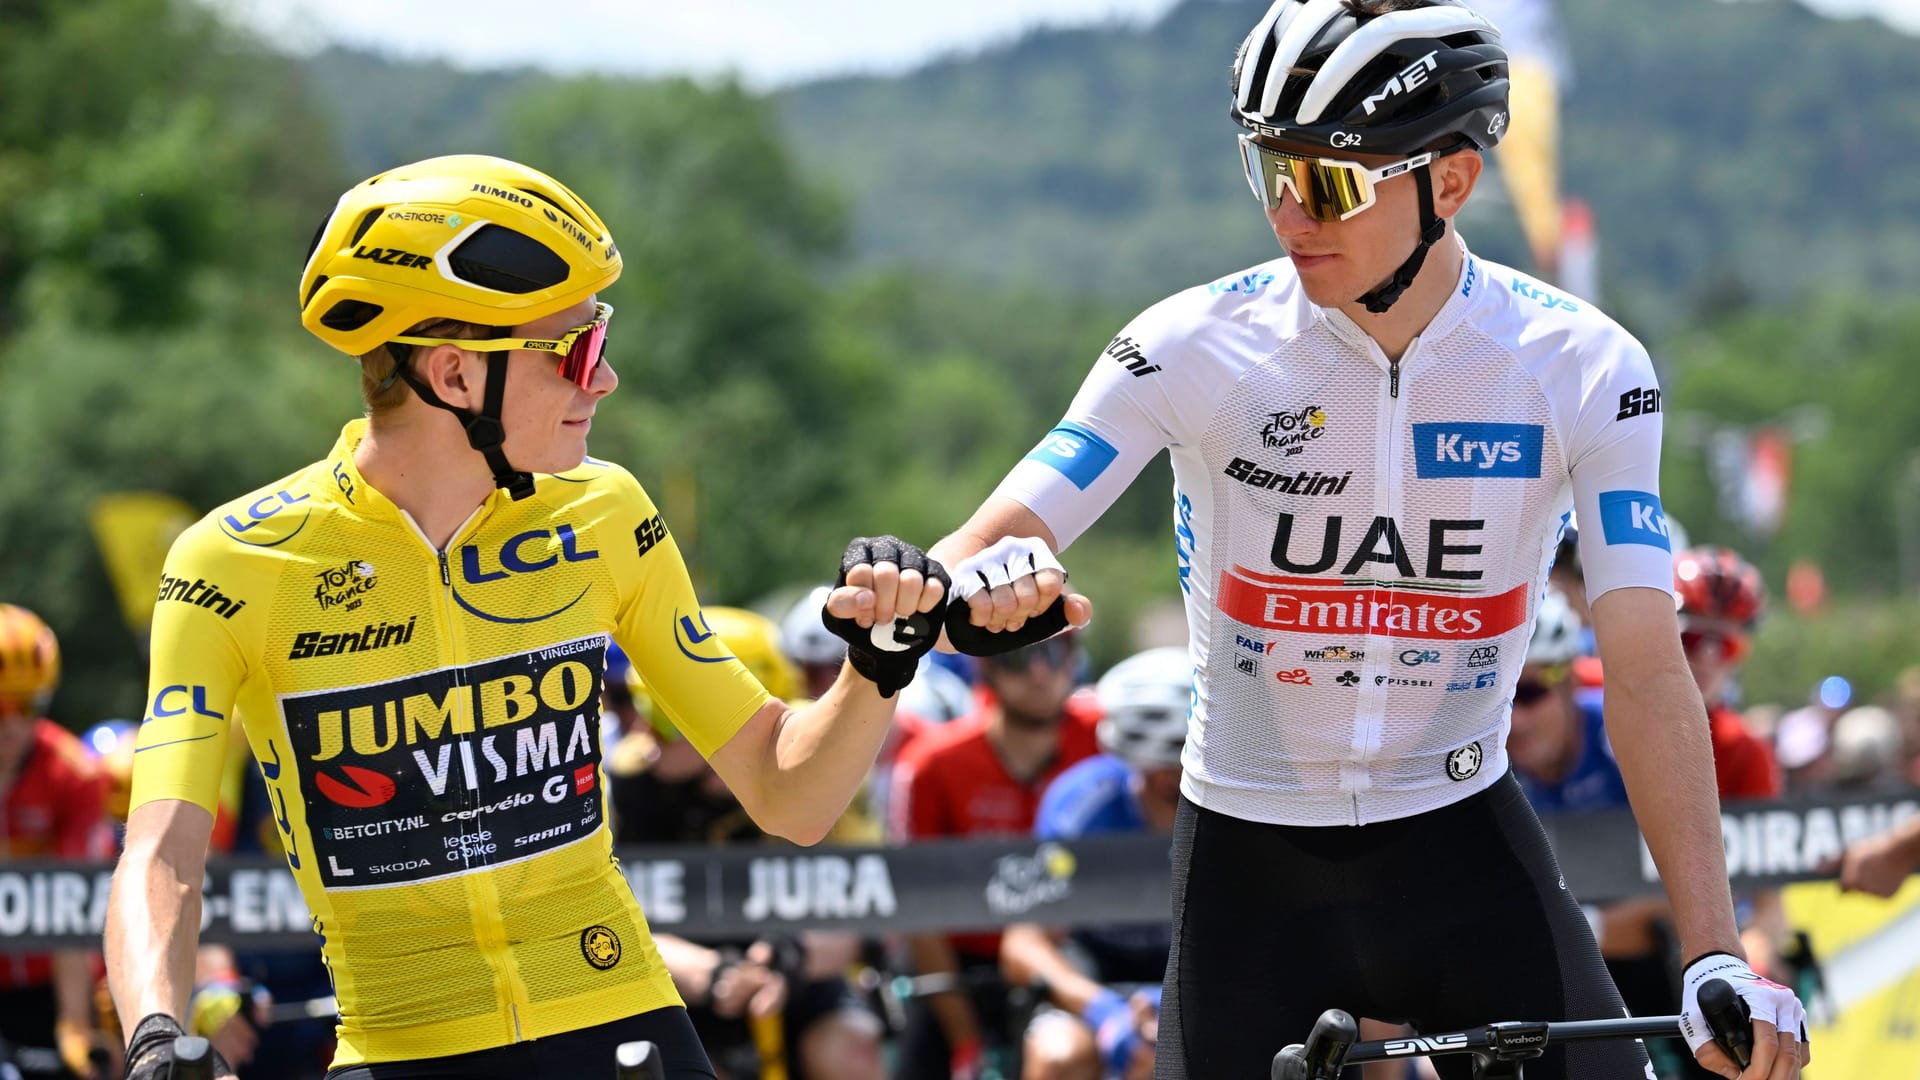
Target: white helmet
(1146,698)
(1556,631)
(804,638)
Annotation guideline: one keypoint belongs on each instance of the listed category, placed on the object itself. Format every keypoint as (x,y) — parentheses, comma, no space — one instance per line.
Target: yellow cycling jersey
(428,726)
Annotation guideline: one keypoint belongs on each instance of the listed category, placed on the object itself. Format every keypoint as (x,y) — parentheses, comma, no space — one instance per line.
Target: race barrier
(702,892)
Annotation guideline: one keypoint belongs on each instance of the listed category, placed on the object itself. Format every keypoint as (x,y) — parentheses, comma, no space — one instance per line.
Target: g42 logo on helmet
(1343,139)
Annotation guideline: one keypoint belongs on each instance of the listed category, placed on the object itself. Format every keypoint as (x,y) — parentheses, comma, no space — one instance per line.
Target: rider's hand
(1010,582)
(76,1043)
(1877,865)
(150,1051)
(225,1013)
(886,606)
(1123,1028)
(1780,1046)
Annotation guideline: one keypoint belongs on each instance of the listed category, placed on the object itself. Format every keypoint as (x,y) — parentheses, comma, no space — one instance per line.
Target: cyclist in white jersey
(1376,443)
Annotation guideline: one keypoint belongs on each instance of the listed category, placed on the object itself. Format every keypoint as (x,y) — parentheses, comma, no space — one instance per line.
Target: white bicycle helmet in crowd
(1145,699)
(804,638)
(1556,631)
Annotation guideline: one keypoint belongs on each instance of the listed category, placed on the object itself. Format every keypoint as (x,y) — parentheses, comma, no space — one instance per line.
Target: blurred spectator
(1906,705)
(52,806)
(1804,741)
(753,1001)
(1867,744)
(1104,982)
(983,775)
(1881,864)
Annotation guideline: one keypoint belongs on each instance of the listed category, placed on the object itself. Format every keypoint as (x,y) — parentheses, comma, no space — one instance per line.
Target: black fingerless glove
(150,1053)
(889,652)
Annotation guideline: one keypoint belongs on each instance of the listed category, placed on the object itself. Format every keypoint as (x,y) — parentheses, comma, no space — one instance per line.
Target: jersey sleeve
(707,693)
(197,666)
(1613,455)
(1122,416)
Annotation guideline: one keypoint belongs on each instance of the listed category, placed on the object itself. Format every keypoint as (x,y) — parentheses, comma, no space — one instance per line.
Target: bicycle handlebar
(1332,1046)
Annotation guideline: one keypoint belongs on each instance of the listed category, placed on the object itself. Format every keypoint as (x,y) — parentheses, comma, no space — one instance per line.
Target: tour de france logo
(600,946)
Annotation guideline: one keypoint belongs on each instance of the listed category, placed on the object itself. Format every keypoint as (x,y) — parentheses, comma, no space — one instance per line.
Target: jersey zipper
(481,896)
(1370,706)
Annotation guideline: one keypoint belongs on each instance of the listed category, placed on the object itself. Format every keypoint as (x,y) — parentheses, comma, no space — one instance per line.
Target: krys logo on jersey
(451,770)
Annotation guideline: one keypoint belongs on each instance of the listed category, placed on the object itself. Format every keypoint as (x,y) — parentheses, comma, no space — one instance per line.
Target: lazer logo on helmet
(1473,450)
(1413,78)
(392,257)
(502,193)
(507,740)
(1634,517)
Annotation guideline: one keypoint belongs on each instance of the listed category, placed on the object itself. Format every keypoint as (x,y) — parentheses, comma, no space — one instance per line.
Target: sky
(768,43)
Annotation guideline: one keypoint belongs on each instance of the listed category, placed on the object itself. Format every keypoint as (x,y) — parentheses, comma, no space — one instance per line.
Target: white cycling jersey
(1361,543)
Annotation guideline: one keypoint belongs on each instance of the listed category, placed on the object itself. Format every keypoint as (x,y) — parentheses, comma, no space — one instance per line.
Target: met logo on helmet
(1414,77)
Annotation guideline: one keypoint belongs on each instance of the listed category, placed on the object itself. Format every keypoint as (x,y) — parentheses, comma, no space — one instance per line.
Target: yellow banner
(1869,951)
(133,530)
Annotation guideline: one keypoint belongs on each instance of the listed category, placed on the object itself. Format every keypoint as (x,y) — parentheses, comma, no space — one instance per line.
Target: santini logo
(1459,451)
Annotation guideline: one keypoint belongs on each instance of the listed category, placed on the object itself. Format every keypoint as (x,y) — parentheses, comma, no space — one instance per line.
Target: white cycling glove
(1765,1000)
(990,567)
(1013,557)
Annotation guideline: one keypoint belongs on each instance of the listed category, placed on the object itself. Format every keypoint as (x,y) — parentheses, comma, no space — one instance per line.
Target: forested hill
(1725,147)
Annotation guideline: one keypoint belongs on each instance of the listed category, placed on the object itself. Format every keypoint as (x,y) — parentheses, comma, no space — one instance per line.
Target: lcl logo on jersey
(529,552)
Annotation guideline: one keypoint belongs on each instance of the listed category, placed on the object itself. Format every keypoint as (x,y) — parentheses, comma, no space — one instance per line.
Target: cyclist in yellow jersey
(413,636)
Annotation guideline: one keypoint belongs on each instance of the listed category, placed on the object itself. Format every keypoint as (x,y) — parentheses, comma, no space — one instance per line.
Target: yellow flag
(134,529)
(1530,159)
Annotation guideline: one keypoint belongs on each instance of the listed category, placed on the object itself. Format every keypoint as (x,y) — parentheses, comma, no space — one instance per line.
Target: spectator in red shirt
(983,775)
(52,805)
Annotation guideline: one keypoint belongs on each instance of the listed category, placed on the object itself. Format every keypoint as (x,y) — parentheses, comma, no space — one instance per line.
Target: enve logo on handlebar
(1333,1044)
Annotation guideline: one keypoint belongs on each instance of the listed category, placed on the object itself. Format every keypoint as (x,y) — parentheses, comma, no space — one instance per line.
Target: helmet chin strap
(1432,228)
(485,432)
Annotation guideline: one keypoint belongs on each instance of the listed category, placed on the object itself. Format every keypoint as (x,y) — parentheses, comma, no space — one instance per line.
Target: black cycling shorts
(588,1052)
(1445,920)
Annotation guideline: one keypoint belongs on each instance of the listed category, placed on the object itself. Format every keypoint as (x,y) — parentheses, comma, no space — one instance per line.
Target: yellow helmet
(29,656)
(755,639)
(480,239)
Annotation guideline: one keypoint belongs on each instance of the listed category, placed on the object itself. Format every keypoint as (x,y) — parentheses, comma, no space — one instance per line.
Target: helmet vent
(557,209)
(498,258)
(317,282)
(349,315)
(366,223)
